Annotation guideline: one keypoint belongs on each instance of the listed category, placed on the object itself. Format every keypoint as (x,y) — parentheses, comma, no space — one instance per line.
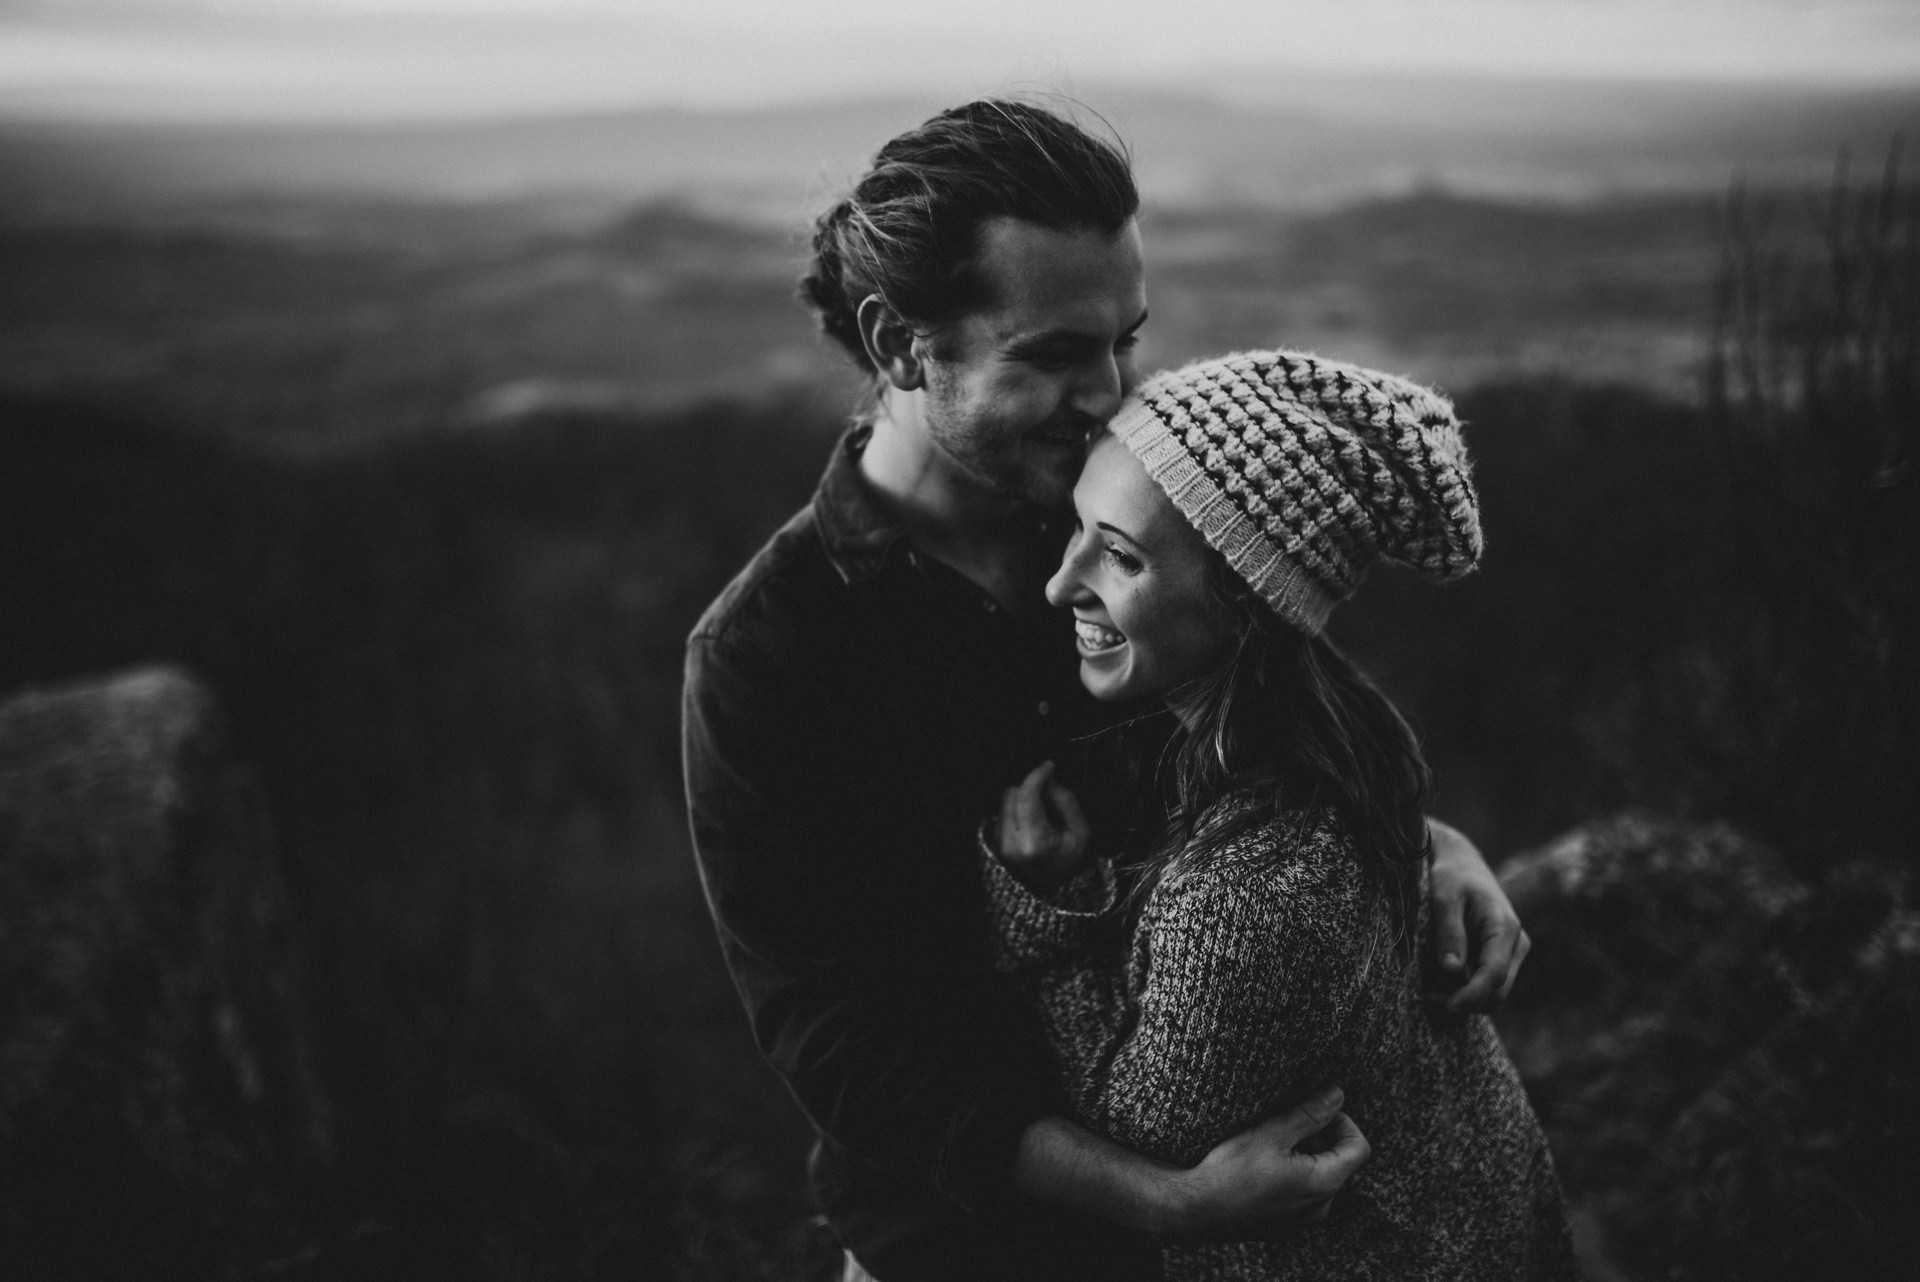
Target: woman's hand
(1041,836)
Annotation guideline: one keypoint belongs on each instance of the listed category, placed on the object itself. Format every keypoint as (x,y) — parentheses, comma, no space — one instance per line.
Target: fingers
(1311,1117)
(1029,799)
(1038,777)
(1008,830)
(1025,827)
(1278,1172)
(1513,968)
(1449,908)
(1076,831)
(1339,1150)
(1494,969)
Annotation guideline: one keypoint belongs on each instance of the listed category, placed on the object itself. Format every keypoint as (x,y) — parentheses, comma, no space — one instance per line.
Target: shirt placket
(1007,654)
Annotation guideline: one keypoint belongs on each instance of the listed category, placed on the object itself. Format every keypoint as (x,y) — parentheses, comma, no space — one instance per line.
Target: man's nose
(1101,388)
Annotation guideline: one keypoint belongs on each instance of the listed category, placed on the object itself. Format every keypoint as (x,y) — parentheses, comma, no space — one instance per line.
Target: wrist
(1167,1202)
(1064,1164)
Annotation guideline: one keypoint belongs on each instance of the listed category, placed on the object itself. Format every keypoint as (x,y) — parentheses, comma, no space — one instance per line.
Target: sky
(382,60)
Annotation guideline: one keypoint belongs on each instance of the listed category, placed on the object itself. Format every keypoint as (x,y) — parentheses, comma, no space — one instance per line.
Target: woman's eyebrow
(1114,529)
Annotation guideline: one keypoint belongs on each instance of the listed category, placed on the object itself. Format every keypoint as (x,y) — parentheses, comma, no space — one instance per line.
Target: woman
(1265,942)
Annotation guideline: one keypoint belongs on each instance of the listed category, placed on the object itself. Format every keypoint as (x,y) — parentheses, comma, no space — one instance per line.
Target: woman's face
(1135,577)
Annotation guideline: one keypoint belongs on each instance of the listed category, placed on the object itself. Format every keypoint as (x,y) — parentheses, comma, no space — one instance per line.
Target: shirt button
(1045,707)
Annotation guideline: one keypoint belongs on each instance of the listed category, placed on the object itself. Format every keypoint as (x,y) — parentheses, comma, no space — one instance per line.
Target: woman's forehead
(1115,489)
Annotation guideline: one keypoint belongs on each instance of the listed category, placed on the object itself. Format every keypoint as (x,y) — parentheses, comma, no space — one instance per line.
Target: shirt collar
(859,534)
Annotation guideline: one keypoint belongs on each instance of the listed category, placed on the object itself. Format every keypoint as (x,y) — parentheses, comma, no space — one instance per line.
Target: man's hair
(910,230)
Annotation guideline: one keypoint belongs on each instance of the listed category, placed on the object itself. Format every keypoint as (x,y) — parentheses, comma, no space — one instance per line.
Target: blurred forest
(430,499)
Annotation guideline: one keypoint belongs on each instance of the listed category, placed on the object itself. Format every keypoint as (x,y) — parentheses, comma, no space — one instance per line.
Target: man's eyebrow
(1065,334)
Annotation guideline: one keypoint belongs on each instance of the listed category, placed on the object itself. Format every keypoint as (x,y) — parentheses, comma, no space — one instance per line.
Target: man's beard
(1037,466)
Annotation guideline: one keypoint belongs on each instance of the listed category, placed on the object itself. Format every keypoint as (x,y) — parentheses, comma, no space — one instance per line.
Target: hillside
(304,321)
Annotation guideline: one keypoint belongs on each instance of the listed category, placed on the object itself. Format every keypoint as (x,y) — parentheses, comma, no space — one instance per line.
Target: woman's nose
(1066,588)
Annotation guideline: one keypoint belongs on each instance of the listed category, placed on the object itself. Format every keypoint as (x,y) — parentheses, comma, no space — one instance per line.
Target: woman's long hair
(1288,722)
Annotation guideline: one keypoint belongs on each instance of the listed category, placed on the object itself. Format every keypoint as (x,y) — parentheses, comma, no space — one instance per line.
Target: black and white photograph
(1033,641)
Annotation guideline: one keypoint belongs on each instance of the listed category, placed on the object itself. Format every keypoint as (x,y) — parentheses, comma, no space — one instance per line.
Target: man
(858,698)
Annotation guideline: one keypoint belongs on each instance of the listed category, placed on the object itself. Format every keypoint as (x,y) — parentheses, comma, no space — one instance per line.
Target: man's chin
(1053,498)
(1031,486)
(1050,487)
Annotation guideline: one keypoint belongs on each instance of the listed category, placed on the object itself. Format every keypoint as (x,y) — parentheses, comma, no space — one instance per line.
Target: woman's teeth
(1095,637)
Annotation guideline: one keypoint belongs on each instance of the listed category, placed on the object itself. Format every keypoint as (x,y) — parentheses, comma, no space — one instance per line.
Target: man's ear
(890,344)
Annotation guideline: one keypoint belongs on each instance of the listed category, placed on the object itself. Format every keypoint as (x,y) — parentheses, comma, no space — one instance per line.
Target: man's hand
(1282,1171)
(1041,835)
(1286,1168)
(1472,921)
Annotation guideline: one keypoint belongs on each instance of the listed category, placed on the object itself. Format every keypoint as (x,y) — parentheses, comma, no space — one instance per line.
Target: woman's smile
(1096,638)
(1135,577)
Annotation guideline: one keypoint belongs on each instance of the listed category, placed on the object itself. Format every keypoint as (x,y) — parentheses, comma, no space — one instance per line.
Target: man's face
(1015,387)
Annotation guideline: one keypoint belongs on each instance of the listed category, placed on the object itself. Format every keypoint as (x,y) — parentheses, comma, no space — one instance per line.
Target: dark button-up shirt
(853,709)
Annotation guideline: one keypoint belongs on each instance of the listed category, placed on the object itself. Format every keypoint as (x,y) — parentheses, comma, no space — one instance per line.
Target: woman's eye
(1122,558)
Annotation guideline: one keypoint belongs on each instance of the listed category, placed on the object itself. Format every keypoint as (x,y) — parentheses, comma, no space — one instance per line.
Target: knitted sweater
(1238,988)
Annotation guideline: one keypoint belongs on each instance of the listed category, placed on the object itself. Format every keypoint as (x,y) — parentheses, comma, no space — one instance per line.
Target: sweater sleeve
(1026,928)
(1239,983)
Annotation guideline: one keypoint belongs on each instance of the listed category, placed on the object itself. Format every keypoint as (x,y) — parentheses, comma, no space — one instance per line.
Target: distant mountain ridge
(1304,141)
(321,320)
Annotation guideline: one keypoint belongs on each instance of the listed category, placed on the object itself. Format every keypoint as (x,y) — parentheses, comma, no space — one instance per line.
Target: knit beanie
(1302,472)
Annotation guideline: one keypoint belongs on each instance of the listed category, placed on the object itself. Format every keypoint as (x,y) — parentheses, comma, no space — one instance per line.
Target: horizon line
(31,110)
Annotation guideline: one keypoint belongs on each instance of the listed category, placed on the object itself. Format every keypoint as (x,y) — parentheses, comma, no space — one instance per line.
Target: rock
(1626,917)
(155,1086)
(1726,1059)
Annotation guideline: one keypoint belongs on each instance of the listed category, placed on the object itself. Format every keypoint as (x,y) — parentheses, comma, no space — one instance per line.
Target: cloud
(385,58)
